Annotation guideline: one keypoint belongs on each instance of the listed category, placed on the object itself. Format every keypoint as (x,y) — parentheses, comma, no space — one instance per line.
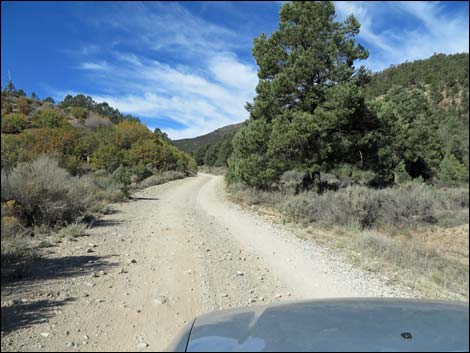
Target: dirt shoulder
(175,251)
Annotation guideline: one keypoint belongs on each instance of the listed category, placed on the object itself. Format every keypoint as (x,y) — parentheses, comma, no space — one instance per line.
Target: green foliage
(411,131)
(122,176)
(81,101)
(49,118)
(23,105)
(441,73)
(200,153)
(95,144)
(14,123)
(452,172)
(401,176)
(311,101)
(210,156)
(12,151)
(309,113)
(249,162)
(79,113)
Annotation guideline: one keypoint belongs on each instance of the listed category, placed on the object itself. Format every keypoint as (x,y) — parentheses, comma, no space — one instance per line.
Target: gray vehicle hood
(333,325)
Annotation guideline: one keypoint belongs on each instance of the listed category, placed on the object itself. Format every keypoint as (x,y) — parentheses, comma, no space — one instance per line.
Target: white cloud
(433,32)
(201,101)
(206,85)
(99,66)
(229,71)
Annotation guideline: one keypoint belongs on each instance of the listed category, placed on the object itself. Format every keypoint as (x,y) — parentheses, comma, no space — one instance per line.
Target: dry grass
(416,236)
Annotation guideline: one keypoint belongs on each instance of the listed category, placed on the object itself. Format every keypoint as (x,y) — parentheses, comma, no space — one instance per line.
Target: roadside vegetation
(62,163)
(376,165)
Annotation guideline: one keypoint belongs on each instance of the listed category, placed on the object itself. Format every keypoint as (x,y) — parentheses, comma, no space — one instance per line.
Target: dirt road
(176,251)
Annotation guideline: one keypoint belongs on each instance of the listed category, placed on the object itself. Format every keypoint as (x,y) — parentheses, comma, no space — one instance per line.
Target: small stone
(92,245)
(225,295)
(251,301)
(161,300)
(142,345)
(94,275)
(86,337)
(89,250)
(239,273)
(102,273)
(122,270)
(45,334)
(133,261)
(278,296)
(70,344)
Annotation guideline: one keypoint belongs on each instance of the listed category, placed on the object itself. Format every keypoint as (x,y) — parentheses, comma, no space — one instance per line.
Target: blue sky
(187,67)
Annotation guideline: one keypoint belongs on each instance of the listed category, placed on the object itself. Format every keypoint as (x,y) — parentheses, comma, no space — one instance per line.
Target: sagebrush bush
(14,123)
(410,205)
(291,181)
(73,230)
(252,196)
(46,194)
(161,178)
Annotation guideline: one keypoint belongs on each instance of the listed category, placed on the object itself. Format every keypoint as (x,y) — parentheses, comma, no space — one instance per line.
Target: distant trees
(82,101)
(93,144)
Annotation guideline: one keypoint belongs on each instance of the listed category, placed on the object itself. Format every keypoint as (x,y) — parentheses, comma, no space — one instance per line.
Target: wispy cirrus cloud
(189,72)
(420,29)
(101,66)
(181,71)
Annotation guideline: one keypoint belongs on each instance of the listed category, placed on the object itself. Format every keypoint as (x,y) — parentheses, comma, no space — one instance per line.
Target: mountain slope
(191,144)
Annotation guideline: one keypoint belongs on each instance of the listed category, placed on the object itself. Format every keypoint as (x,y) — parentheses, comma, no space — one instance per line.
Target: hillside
(191,144)
(444,77)
(62,163)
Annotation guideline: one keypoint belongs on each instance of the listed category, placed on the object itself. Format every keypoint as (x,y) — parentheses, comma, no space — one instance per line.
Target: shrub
(73,230)
(14,123)
(79,113)
(12,151)
(161,178)
(49,118)
(410,205)
(47,194)
(23,105)
(95,121)
(452,172)
(253,196)
(291,181)
(122,176)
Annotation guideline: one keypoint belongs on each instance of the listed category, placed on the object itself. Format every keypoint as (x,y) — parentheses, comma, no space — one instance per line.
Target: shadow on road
(18,271)
(135,198)
(23,315)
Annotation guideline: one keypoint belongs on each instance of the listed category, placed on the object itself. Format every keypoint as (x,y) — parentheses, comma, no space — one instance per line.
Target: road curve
(193,252)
